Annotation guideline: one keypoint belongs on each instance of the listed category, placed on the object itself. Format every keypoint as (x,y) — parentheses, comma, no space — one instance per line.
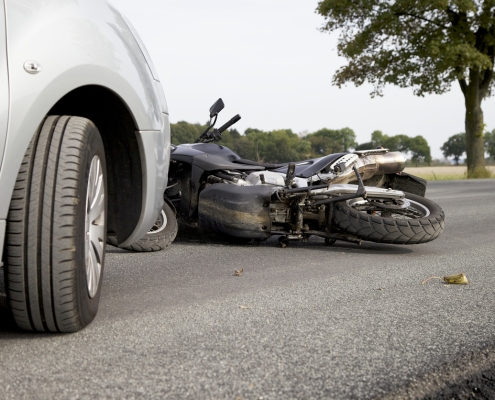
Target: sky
(270,63)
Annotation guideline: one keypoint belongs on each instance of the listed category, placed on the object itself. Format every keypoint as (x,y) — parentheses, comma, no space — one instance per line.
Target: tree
(490,143)
(393,143)
(419,149)
(426,45)
(417,146)
(327,141)
(455,146)
(184,132)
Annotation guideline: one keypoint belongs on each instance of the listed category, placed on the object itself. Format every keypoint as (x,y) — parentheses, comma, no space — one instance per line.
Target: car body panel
(4,105)
(78,44)
(156,146)
(3,226)
(4,83)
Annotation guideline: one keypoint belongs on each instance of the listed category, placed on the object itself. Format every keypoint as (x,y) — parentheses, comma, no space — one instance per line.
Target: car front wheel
(56,228)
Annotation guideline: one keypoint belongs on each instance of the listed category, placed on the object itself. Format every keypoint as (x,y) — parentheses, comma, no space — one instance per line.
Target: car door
(4,83)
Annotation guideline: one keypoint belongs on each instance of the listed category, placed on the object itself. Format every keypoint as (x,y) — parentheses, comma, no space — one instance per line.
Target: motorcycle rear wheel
(422,221)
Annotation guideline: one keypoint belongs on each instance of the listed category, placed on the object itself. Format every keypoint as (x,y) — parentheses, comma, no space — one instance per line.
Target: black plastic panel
(408,183)
(240,211)
(212,163)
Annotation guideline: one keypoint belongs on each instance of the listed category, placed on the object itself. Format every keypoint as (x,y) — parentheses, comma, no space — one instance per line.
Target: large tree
(424,44)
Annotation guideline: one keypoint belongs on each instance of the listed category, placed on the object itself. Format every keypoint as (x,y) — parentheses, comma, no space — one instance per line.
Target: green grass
(442,177)
(448,173)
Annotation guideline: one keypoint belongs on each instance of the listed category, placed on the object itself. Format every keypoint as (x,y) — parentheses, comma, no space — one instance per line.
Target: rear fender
(408,183)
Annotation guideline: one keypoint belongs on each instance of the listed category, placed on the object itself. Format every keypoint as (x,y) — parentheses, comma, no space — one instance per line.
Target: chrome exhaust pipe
(390,163)
(373,164)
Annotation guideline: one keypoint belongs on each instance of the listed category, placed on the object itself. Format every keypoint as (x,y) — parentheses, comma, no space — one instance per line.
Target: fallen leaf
(459,279)
(239,272)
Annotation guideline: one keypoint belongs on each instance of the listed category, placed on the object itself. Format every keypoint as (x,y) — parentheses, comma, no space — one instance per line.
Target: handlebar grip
(229,124)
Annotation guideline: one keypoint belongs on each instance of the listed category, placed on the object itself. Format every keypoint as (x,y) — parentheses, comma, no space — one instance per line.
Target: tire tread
(41,243)
(387,230)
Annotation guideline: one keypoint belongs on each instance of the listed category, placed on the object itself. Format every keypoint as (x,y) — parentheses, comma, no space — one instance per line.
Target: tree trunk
(475,144)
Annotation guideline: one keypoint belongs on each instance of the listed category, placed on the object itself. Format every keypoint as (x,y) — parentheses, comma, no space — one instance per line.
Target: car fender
(74,44)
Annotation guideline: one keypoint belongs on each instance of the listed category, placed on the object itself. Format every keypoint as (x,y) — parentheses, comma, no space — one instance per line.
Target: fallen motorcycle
(363,195)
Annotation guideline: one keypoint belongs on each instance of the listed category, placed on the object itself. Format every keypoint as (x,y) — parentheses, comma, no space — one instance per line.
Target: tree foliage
(277,146)
(185,132)
(326,141)
(283,145)
(490,143)
(425,45)
(417,147)
(455,146)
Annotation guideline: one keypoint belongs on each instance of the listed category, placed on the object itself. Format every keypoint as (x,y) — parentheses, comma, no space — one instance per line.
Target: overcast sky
(269,63)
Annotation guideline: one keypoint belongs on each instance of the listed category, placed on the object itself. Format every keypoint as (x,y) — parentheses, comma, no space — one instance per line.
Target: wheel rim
(95,225)
(160,224)
(411,210)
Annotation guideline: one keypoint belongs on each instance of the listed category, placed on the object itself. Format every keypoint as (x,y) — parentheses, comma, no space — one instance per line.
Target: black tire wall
(378,229)
(45,238)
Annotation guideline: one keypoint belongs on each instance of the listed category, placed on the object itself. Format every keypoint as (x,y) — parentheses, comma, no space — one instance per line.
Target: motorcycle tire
(422,221)
(160,236)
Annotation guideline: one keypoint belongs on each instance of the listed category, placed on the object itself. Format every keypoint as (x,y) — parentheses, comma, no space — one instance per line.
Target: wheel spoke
(95,270)
(414,211)
(97,207)
(95,225)
(89,270)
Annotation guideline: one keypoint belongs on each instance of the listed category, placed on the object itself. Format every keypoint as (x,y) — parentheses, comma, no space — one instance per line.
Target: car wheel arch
(117,128)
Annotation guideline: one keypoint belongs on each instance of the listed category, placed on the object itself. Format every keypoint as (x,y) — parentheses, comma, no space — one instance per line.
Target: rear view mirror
(216,108)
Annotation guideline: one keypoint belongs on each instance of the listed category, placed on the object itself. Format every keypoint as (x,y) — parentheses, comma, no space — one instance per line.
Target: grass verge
(445,173)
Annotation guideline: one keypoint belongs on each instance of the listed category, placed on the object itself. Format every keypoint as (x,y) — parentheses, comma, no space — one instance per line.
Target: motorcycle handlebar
(229,124)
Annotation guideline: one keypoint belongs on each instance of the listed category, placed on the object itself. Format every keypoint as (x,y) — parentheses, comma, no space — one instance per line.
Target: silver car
(84,152)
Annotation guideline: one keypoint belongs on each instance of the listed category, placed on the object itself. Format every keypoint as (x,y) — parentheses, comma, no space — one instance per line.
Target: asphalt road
(308,321)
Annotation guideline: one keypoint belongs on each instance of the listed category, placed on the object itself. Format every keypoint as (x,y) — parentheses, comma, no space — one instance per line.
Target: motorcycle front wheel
(159,237)
(416,220)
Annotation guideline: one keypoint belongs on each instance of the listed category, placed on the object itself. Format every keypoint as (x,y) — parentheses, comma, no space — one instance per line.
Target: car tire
(159,237)
(56,228)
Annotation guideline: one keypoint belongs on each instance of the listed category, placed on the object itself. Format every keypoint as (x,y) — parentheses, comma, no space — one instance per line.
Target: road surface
(309,321)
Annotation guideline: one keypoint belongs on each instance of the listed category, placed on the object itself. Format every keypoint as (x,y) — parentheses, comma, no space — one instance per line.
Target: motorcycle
(351,196)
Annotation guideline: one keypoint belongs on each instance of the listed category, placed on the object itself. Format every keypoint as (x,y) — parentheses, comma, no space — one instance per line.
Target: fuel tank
(185,152)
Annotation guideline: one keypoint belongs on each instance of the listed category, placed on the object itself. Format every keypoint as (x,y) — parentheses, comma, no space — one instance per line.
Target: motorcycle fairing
(192,150)
(209,162)
(240,211)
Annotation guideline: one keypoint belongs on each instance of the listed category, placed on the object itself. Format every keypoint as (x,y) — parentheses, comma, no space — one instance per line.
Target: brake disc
(395,204)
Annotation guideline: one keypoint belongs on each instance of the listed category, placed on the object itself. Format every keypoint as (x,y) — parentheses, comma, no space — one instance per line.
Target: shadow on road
(315,243)
(7,323)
